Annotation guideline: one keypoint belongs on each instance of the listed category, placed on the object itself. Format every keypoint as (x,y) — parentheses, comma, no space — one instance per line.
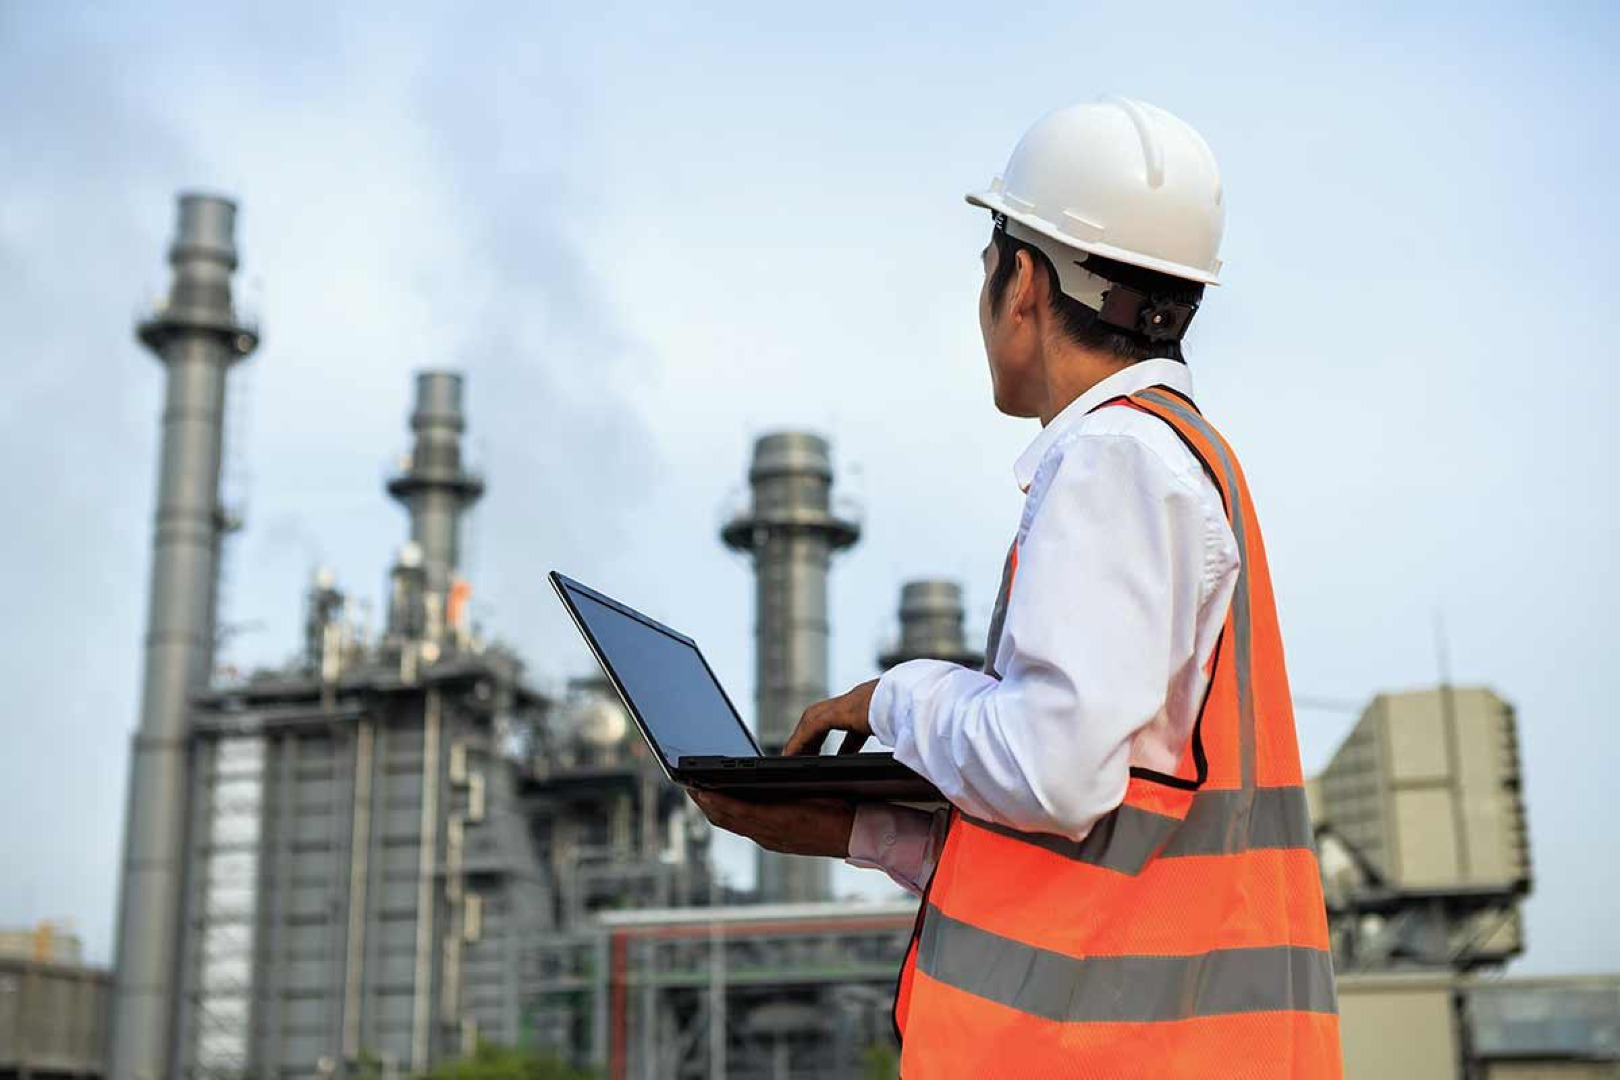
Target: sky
(649,233)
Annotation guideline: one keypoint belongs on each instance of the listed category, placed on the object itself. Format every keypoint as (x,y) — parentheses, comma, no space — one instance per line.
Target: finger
(852,743)
(797,737)
(808,736)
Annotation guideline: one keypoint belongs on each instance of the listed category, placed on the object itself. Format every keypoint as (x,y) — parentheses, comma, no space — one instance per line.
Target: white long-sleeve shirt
(1126,567)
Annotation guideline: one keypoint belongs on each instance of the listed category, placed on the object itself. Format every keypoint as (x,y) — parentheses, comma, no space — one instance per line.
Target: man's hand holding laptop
(802,826)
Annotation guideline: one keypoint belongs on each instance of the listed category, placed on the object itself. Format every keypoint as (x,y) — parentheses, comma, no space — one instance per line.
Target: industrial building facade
(325,862)
(369,858)
(363,881)
(393,847)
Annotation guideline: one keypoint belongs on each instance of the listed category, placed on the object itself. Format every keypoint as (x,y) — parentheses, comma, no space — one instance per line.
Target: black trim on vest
(1200,761)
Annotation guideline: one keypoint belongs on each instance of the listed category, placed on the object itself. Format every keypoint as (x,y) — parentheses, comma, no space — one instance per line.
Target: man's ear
(1025,287)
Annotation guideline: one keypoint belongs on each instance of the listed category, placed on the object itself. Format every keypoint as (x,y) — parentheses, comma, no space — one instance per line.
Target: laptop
(694,730)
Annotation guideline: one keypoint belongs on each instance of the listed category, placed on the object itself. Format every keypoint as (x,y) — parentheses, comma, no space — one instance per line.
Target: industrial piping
(198,336)
(791,531)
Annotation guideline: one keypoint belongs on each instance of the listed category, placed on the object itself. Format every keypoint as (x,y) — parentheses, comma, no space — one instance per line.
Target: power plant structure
(1421,826)
(361,875)
(791,530)
(53,1007)
(353,874)
(198,336)
(394,846)
(931,626)
(362,858)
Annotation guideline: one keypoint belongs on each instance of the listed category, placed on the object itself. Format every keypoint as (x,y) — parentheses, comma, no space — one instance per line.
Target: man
(1125,883)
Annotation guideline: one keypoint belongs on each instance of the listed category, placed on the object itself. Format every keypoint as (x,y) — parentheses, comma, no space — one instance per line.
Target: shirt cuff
(899,840)
(892,710)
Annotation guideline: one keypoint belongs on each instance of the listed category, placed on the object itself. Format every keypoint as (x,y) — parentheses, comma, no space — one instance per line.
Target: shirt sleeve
(901,841)
(1103,610)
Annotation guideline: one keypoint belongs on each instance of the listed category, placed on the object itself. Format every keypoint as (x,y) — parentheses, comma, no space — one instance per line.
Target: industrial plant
(396,847)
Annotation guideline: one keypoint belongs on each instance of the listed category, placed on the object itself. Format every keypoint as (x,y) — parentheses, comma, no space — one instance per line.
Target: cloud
(89,183)
(548,360)
(381,233)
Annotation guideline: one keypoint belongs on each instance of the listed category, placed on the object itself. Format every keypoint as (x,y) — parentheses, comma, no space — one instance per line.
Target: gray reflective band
(1124,989)
(1222,822)
(1242,650)
(998,616)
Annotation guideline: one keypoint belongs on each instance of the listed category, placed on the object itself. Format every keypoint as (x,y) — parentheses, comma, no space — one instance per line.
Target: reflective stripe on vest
(1187,925)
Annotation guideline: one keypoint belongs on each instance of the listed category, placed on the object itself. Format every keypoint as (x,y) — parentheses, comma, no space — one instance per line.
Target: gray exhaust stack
(931,626)
(791,531)
(435,487)
(198,336)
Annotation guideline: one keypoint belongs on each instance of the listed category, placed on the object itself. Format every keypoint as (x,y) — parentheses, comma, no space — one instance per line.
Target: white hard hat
(1116,178)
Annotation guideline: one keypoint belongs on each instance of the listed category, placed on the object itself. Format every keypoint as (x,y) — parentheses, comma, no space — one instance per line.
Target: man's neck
(1072,370)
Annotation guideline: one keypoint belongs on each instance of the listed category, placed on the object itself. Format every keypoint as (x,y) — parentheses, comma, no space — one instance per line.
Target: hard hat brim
(996,204)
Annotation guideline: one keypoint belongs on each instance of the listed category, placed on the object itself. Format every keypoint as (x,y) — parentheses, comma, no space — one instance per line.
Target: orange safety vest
(1186,934)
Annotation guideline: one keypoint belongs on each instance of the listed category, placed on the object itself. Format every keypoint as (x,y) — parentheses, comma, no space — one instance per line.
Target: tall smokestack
(435,487)
(198,336)
(931,626)
(791,531)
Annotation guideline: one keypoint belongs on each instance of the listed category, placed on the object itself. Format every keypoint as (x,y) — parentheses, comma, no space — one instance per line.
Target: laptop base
(853,777)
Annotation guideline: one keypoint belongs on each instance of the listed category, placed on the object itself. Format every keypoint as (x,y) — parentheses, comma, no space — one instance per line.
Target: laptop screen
(670,687)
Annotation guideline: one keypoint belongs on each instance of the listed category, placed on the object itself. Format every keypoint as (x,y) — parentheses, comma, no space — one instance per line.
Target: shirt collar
(1129,380)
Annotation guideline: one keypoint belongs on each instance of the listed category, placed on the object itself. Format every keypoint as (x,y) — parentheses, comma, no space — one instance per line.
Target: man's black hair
(1080,323)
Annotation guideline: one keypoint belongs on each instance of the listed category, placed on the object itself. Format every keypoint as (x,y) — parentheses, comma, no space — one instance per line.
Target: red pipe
(618,1066)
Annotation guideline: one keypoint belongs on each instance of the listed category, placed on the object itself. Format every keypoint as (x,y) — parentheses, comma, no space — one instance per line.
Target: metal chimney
(198,336)
(435,487)
(791,531)
(931,626)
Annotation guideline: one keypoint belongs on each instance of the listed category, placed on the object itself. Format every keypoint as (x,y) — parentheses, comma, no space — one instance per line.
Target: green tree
(880,1062)
(491,1061)
(366,1066)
